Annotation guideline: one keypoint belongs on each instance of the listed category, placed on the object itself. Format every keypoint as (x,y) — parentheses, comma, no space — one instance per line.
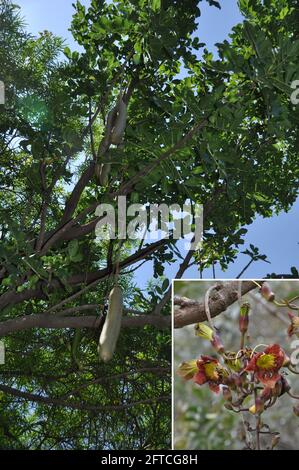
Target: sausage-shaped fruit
(111,328)
(104,173)
(120,123)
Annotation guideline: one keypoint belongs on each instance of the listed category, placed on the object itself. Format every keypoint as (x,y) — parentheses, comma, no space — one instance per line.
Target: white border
(172,326)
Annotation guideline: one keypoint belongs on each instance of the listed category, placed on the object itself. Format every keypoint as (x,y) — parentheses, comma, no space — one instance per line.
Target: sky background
(276,237)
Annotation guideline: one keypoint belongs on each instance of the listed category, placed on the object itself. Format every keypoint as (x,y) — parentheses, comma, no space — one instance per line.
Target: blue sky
(276,237)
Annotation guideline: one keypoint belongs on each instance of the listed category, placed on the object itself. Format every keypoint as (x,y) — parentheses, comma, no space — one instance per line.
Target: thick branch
(76,232)
(187,311)
(70,226)
(12,297)
(51,321)
(72,202)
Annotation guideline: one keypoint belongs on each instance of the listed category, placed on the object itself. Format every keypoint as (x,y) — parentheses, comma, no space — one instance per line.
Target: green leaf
(165,285)
(67,52)
(72,249)
(156,5)
(136,59)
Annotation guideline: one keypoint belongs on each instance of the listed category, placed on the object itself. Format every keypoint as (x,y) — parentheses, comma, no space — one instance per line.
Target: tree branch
(127,187)
(144,370)
(12,297)
(187,311)
(52,321)
(76,405)
(183,266)
(73,200)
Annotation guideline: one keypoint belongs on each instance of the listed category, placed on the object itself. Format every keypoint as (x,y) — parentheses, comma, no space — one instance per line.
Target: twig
(207,308)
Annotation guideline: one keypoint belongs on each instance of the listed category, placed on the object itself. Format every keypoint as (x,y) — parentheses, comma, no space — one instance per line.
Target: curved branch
(188,311)
(73,200)
(73,404)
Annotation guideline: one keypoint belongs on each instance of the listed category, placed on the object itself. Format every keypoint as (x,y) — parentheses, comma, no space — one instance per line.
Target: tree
(223,134)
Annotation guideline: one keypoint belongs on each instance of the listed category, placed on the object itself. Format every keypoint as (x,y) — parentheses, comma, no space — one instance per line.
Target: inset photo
(236,364)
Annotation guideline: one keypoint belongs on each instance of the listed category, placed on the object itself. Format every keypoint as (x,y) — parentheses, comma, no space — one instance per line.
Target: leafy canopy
(220,131)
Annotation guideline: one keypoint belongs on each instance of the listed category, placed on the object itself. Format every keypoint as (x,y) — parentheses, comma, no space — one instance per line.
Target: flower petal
(200,378)
(214,387)
(268,378)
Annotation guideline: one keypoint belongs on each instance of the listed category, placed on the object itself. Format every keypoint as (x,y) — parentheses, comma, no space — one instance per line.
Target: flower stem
(242,341)
(257,284)
(207,308)
(258,425)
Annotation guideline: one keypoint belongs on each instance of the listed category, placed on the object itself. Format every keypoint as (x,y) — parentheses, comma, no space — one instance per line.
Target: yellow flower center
(266,361)
(210,370)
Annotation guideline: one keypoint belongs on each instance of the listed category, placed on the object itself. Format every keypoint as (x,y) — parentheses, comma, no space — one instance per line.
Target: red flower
(267,394)
(187,370)
(210,371)
(280,388)
(266,365)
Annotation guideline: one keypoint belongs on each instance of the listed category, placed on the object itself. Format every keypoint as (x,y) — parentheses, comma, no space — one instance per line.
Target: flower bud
(294,325)
(266,292)
(252,409)
(244,317)
(258,407)
(285,386)
(204,331)
(233,362)
(217,344)
(234,381)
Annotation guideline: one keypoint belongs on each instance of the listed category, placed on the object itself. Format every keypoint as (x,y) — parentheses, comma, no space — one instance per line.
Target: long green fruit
(111,328)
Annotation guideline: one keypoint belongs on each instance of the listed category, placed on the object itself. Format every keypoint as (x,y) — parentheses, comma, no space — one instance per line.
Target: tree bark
(188,311)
